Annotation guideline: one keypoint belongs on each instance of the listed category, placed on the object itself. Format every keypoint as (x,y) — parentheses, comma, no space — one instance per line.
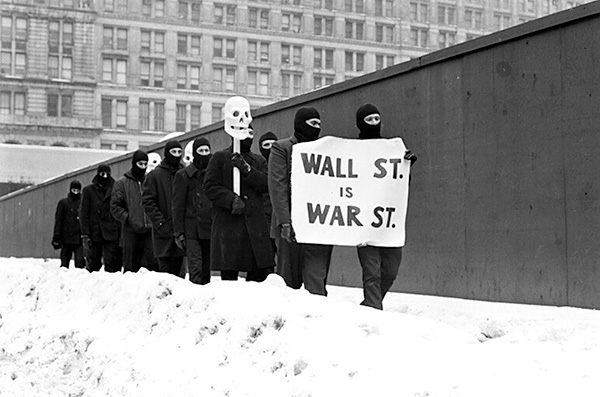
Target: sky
(66,332)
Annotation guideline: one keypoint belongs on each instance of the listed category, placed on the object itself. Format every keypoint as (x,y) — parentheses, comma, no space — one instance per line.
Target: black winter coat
(236,239)
(157,199)
(66,221)
(126,204)
(94,213)
(192,210)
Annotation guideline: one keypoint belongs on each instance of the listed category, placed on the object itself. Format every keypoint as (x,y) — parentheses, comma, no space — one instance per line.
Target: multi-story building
(121,74)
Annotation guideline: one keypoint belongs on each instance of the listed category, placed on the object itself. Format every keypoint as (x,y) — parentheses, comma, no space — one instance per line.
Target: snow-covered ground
(71,333)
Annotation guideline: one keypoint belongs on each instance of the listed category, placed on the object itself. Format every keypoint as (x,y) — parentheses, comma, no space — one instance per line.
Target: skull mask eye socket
(236,113)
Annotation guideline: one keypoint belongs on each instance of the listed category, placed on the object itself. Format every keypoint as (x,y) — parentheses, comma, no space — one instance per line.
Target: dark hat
(267,136)
(199,142)
(139,155)
(172,144)
(367,131)
(363,112)
(103,168)
(75,184)
(304,114)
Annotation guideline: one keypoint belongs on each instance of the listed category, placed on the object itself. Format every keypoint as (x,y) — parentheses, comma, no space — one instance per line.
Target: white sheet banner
(350,192)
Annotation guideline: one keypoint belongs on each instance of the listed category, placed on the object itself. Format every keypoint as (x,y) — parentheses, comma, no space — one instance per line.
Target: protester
(99,229)
(379,264)
(157,199)
(265,143)
(240,235)
(126,206)
(67,231)
(296,263)
(192,214)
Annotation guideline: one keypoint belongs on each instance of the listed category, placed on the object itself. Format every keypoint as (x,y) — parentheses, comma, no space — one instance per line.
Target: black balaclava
(75,184)
(201,162)
(137,172)
(267,136)
(102,180)
(171,160)
(302,131)
(367,131)
(245,145)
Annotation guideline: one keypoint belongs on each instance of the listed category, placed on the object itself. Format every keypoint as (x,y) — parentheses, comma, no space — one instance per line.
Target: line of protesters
(154,219)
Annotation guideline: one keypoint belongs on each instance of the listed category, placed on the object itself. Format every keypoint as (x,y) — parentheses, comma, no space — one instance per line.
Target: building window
(384,8)
(501,21)
(60,105)
(14,44)
(354,30)
(188,45)
(446,39)
(151,115)
(224,14)
(109,5)
(419,37)
(320,81)
(114,38)
(323,58)
(181,118)
(113,145)
(384,33)
(419,12)
(258,52)
(188,77)
(354,6)
(223,48)
(503,4)
(153,8)
(152,73)
(291,22)
(355,61)
(216,112)
(114,70)
(258,82)
(383,61)
(324,4)
(323,26)
(12,103)
(189,10)
(291,55)
(291,84)
(258,18)
(152,42)
(473,19)
(527,6)
(447,15)
(195,116)
(223,79)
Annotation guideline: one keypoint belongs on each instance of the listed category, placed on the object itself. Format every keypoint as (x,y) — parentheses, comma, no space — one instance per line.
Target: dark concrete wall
(504,197)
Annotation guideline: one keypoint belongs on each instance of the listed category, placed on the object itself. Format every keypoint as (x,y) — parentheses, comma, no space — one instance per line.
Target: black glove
(180,241)
(237,160)
(410,156)
(237,206)
(56,244)
(287,233)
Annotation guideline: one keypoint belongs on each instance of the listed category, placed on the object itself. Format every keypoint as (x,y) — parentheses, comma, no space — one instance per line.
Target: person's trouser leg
(259,275)
(65,255)
(289,263)
(199,270)
(205,247)
(112,262)
(390,264)
(316,259)
(132,254)
(170,264)
(79,260)
(148,261)
(95,259)
(370,262)
(229,275)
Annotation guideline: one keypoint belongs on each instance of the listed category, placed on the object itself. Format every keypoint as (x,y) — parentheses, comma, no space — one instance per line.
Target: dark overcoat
(280,176)
(126,204)
(236,239)
(157,198)
(66,221)
(94,213)
(192,210)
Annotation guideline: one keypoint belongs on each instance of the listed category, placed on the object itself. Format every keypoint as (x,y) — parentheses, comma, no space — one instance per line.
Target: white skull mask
(188,155)
(153,160)
(237,117)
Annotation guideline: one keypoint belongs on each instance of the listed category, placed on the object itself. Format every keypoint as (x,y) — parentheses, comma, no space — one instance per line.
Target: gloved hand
(410,156)
(56,244)
(87,246)
(237,206)
(287,233)
(238,161)
(180,241)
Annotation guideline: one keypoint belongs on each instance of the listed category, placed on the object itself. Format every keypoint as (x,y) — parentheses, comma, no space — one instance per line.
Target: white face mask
(153,161)
(238,118)
(188,155)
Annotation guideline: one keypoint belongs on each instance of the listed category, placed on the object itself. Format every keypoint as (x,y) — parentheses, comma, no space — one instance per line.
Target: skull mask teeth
(238,117)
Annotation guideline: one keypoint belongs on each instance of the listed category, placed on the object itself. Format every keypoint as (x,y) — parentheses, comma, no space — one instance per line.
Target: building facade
(121,74)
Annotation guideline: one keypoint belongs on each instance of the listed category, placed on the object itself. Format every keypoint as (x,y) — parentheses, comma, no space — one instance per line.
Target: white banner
(350,192)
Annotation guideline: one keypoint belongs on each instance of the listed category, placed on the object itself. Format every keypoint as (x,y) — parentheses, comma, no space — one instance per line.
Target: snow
(66,332)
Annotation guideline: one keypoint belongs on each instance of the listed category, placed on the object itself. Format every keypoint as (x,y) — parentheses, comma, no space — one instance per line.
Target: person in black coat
(379,265)
(192,214)
(265,143)
(157,199)
(99,229)
(240,236)
(126,206)
(67,231)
